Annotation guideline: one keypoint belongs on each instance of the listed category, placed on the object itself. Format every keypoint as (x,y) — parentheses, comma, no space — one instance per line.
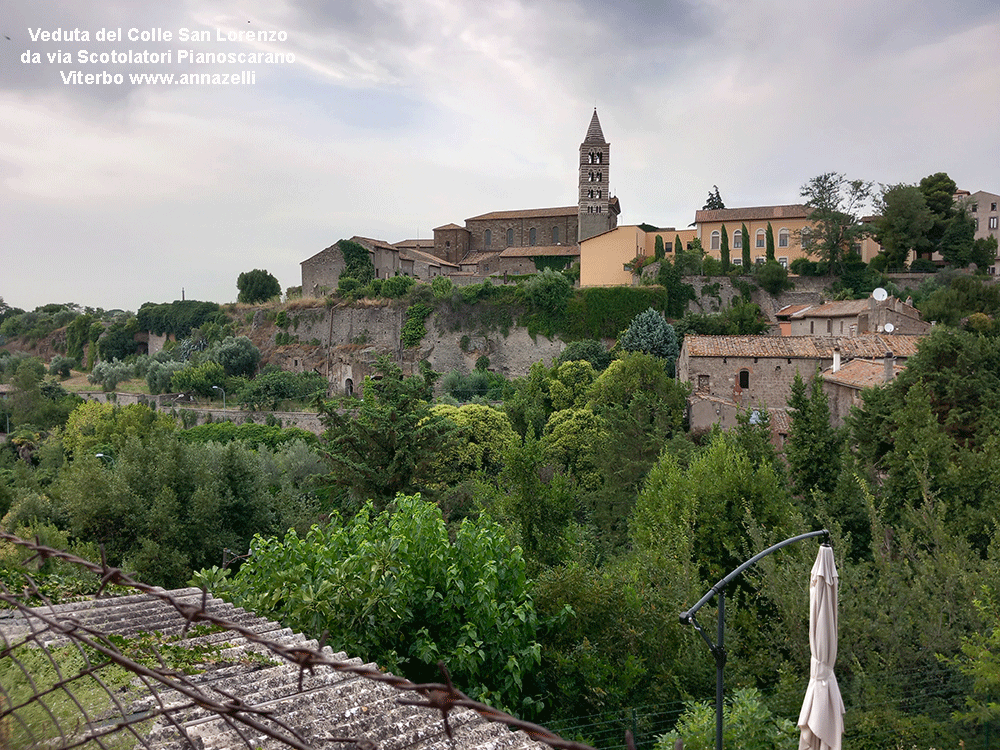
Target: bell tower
(597,210)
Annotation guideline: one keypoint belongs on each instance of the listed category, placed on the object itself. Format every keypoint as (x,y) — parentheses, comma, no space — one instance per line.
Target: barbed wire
(441,697)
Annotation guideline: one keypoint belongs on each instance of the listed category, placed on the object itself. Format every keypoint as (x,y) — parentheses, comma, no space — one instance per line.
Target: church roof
(527,213)
(594,133)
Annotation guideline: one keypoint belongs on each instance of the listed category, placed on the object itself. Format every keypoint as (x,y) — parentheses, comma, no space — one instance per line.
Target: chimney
(836,359)
(889,372)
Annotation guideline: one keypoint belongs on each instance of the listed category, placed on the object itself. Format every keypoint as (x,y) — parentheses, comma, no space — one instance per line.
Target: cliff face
(343,342)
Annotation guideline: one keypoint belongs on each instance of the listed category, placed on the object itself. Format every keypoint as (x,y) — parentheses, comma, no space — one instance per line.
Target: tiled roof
(838,309)
(527,213)
(421,244)
(756,213)
(326,703)
(447,226)
(478,257)
(801,347)
(369,244)
(569,251)
(789,310)
(414,254)
(861,373)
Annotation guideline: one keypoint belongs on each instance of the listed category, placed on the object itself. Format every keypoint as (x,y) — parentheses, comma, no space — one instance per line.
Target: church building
(492,233)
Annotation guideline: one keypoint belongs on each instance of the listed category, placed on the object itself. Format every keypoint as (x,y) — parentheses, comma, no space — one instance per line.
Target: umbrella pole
(718,648)
(720,664)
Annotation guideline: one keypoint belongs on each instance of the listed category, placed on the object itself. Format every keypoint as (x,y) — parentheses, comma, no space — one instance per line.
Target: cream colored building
(604,257)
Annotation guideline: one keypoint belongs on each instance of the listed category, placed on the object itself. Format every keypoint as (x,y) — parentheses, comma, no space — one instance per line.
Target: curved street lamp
(217,388)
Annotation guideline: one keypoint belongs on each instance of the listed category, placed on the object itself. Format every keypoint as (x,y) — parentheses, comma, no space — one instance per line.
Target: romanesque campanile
(597,212)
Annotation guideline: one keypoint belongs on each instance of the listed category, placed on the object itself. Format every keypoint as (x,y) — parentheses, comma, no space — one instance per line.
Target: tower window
(487,238)
(597,210)
(599,157)
(598,193)
(590,193)
(510,238)
(600,176)
(531,236)
(591,177)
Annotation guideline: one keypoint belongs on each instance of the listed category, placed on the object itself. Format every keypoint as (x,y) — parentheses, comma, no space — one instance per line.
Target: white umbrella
(822,717)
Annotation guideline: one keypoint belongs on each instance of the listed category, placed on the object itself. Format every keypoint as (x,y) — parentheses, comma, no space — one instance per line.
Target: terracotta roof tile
(801,347)
(414,254)
(478,257)
(447,226)
(861,373)
(789,310)
(527,213)
(838,309)
(755,213)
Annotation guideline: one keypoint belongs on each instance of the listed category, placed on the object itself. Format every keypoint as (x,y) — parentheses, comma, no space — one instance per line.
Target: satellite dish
(880,294)
(889,328)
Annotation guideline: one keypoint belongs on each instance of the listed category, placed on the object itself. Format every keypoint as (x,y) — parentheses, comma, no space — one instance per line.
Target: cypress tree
(724,250)
(746,249)
(770,241)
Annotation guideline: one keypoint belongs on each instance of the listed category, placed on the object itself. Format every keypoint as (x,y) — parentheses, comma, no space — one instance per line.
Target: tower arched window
(532,236)
(600,176)
(591,177)
(598,194)
(510,238)
(590,193)
(487,238)
(599,157)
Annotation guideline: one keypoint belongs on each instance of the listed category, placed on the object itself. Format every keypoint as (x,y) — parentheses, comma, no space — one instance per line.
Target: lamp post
(217,388)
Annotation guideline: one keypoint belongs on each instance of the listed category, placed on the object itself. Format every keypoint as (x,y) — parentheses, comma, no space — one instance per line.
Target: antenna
(880,294)
(889,328)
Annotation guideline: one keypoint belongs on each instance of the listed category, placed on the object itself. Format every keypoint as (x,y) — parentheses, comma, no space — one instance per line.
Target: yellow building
(604,257)
(790,225)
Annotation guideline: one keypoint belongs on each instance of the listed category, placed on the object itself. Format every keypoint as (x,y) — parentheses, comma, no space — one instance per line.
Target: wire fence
(66,683)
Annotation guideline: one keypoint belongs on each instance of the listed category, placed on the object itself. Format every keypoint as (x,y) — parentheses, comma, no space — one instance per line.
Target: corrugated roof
(528,213)
(802,347)
(754,213)
(569,251)
(861,373)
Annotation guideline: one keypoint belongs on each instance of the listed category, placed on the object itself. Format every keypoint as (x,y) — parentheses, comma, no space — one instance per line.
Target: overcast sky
(398,116)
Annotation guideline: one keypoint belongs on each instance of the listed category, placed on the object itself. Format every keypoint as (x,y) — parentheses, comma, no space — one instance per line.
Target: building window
(974,208)
(737,239)
(591,157)
(487,238)
(760,238)
(737,261)
(531,236)
(703,382)
(599,154)
(812,326)
(598,194)
(597,210)
(783,262)
(600,176)
(993,222)
(715,239)
(555,235)
(783,238)
(510,238)
(976,220)
(591,179)
(805,238)
(744,379)
(829,326)
(993,207)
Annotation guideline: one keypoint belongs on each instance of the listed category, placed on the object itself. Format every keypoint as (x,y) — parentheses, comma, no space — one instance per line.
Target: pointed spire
(594,133)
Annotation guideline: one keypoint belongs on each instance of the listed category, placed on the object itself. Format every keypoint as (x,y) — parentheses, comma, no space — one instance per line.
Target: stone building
(982,207)
(758,371)
(852,317)
(843,383)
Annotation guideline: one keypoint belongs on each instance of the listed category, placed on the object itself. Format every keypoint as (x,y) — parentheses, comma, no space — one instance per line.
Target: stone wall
(322,271)
(522,226)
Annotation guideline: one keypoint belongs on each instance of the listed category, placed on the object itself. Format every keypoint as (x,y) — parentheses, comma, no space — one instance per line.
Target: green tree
(256,286)
(199,379)
(714,202)
(394,589)
(118,341)
(484,435)
(745,256)
(902,224)
(834,204)
(670,278)
(658,251)
(678,245)
(591,350)
(813,446)
(769,241)
(939,193)
(572,440)
(650,333)
(389,442)
(958,240)
(747,723)
(724,249)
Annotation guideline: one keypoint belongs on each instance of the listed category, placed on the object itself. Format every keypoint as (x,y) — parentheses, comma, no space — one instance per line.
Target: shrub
(110,374)
(772,277)
(414,328)
(397,286)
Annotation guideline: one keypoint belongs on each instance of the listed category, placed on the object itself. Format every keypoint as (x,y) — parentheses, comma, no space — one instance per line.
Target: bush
(772,277)
(923,265)
(414,329)
(110,374)
(159,375)
(199,378)
(396,286)
(442,287)
(61,366)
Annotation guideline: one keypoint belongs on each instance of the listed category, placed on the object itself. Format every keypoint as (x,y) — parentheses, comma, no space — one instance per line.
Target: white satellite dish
(880,294)
(889,328)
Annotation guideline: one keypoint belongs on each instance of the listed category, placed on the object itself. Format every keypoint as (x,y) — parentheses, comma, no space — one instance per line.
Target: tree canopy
(257,285)
(835,204)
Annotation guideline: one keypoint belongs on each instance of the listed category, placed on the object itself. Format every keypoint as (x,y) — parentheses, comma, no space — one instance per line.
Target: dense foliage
(257,285)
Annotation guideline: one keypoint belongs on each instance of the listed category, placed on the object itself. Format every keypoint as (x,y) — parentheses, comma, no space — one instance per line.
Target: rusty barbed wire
(441,697)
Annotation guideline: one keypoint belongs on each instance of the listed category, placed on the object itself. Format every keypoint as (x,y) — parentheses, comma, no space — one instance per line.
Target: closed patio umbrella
(822,717)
